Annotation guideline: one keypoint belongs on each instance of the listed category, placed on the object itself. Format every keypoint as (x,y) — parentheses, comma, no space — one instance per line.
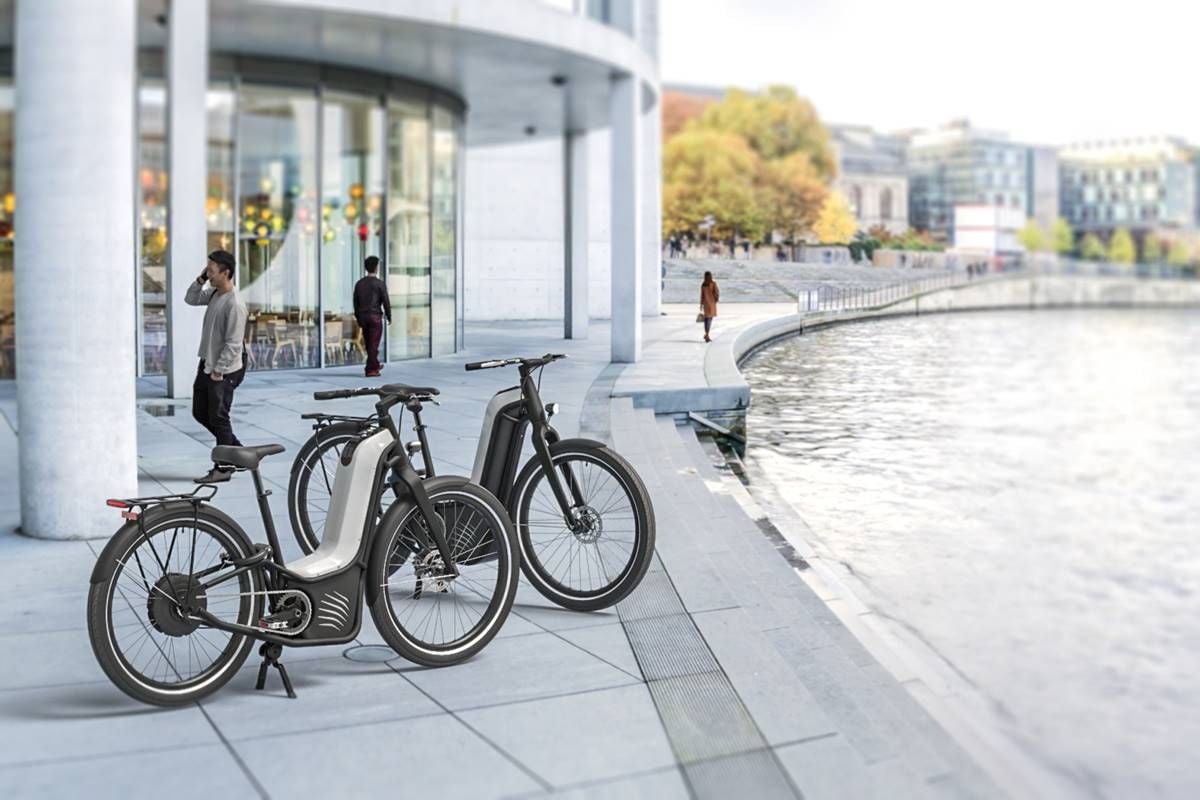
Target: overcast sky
(1047,71)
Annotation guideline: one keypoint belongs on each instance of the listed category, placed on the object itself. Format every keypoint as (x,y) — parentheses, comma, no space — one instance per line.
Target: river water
(1022,489)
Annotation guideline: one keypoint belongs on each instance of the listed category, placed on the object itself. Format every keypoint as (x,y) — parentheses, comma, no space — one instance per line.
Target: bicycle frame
(269,563)
(509,416)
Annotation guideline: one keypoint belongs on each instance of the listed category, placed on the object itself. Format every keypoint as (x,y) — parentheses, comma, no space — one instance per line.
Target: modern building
(1143,184)
(957,164)
(1043,187)
(871,175)
(500,158)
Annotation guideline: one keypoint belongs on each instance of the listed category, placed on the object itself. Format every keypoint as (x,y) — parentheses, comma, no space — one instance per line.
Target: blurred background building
(1146,185)
(871,174)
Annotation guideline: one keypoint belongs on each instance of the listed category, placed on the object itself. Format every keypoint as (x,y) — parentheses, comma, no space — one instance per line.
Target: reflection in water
(1023,489)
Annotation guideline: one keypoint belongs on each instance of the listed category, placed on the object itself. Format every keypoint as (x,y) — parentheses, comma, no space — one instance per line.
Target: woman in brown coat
(710,293)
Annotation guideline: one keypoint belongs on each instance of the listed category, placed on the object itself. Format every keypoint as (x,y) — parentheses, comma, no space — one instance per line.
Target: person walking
(222,366)
(710,293)
(371,308)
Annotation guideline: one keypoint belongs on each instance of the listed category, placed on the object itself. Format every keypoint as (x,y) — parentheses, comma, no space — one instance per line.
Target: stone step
(893,711)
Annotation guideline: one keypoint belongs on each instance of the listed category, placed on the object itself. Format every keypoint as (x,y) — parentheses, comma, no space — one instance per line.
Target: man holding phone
(221,344)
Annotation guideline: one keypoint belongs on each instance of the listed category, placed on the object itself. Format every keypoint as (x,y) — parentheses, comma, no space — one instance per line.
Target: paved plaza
(724,673)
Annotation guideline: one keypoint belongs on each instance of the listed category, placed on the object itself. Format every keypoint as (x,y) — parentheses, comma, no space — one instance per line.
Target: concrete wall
(513,230)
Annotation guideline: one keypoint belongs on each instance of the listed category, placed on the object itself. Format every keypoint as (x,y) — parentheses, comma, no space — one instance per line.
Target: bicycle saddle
(404,391)
(244,457)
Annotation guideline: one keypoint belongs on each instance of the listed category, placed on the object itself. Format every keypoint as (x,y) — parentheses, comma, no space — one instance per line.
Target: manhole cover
(159,410)
(370,653)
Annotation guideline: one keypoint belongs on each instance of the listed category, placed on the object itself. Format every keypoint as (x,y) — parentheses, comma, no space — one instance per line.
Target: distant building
(1042,187)
(957,164)
(990,229)
(1144,184)
(871,175)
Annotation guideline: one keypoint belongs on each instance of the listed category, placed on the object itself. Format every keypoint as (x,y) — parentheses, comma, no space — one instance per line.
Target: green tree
(1092,248)
(1152,251)
(711,173)
(791,193)
(1179,254)
(1032,237)
(836,223)
(1064,237)
(775,123)
(1121,249)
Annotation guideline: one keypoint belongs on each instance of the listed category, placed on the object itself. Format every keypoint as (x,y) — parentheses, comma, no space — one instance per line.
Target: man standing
(371,308)
(221,366)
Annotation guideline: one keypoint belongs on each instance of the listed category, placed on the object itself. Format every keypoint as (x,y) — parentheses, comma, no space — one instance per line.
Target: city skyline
(1062,73)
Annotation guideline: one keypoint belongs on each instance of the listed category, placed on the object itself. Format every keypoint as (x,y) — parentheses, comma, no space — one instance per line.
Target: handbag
(700,317)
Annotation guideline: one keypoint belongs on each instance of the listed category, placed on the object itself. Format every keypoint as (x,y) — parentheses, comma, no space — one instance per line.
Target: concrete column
(651,212)
(575,235)
(625,159)
(76,403)
(187,143)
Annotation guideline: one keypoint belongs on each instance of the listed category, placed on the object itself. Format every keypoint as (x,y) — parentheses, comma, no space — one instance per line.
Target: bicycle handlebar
(504,362)
(336,394)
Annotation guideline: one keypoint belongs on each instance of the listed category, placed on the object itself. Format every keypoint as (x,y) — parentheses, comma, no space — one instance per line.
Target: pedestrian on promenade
(710,293)
(222,367)
(371,308)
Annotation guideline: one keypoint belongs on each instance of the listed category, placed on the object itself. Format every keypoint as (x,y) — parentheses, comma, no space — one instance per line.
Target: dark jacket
(370,295)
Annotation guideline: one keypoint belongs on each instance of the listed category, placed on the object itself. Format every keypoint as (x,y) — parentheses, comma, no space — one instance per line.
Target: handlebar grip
(489,364)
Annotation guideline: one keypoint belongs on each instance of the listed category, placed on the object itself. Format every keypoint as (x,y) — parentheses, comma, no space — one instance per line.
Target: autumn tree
(1152,251)
(1064,237)
(1032,237)
(678,109)
(711,173)
(836,223)
(1179,254)
(1091,248)
(791,194)
(1121,249)
(775,123)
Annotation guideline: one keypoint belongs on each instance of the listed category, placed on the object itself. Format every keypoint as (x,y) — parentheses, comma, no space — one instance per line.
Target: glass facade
(408,229)
(8,326)
(305,182)
(276,199)
(351,215)
(152,226)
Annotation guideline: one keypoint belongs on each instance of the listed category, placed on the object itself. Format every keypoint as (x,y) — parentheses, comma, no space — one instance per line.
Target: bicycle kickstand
(270,653)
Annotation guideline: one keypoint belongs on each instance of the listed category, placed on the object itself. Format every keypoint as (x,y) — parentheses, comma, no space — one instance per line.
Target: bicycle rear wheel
(310,487)
(144,577)
(597,561)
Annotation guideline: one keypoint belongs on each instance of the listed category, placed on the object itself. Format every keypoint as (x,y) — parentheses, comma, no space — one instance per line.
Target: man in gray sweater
(221,366)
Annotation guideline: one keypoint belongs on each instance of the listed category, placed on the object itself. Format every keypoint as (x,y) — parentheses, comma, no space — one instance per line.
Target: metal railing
(852,298)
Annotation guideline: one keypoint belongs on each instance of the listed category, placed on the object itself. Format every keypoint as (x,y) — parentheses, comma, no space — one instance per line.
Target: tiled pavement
(724,672)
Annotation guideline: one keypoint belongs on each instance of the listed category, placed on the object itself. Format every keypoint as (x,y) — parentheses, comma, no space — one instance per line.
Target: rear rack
(132,504)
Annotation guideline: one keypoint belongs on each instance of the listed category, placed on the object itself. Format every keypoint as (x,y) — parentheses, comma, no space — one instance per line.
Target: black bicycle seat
(406,392)
(245,457)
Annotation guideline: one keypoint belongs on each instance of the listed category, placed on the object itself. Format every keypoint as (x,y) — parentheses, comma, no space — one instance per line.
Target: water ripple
(1024,490)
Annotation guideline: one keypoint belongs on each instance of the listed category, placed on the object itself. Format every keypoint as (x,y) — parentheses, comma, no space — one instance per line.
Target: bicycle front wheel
(596,560)
(427,614)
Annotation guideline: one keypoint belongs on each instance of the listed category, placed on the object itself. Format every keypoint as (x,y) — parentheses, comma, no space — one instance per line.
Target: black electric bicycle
(179,594)
(584,520)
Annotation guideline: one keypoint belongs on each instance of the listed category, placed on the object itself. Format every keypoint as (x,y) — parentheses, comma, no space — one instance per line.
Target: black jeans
(372,328)
(211,401)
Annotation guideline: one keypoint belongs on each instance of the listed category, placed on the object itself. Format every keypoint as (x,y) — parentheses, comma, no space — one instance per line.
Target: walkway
(724,674)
